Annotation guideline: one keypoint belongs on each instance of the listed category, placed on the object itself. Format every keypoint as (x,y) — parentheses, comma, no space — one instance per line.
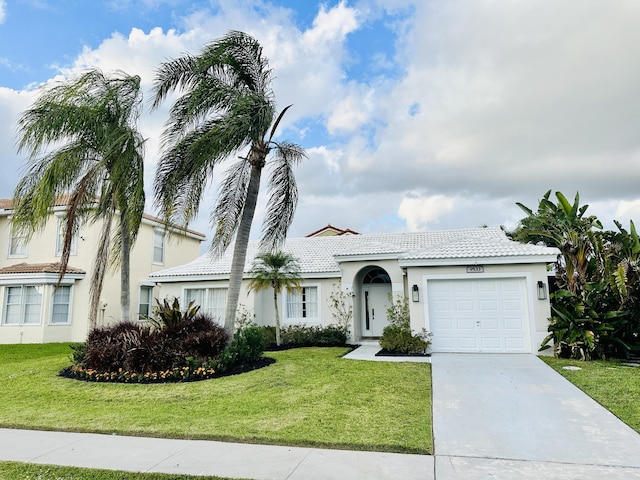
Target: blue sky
(415,114)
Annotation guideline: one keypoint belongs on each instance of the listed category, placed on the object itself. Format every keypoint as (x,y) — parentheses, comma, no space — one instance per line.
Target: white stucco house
(473,289)
(33,311)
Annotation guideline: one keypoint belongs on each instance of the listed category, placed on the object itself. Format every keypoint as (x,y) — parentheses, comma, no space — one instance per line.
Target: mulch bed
(388,353)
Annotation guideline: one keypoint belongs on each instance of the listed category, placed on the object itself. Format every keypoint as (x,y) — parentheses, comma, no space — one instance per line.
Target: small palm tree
(276,270)
(227,107)
(81,140)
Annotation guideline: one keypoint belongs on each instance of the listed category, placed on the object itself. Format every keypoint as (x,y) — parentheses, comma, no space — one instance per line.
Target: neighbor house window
(61,306)
(302,304)
(22,305)
(212,301)
(18,244)
(62,223)
(144,306)
(158,246)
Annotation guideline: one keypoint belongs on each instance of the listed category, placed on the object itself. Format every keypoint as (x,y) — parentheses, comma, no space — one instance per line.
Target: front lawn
(614,385)
(309,397)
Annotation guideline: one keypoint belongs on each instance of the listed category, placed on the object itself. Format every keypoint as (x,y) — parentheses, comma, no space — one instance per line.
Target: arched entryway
(376,288)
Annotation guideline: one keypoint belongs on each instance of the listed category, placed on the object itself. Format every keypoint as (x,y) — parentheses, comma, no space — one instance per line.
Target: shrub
(173,346)
(293,336)
(397,337)
(341,308)
(246,346)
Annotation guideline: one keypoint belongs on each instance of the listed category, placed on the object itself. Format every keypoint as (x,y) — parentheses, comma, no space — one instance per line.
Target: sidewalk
(198,457)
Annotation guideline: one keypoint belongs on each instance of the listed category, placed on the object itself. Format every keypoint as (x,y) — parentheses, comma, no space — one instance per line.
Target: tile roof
(320,255)
(39,268)
(63,200)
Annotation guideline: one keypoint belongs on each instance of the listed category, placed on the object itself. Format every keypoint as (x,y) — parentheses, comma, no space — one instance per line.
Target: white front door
(376,302)
(479,315)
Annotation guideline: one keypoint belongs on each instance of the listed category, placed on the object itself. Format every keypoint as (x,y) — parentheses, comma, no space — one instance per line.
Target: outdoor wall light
(415,293)
(542,290)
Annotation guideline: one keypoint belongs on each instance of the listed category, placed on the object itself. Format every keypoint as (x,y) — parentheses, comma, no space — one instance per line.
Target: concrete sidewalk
(197,457)
(512,416)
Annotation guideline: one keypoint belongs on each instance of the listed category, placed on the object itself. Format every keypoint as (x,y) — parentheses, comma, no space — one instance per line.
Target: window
(18,244)
(212,301)
(158,246)
(144,306)
(60,238)
(22,305)
(60,307)
(302,304)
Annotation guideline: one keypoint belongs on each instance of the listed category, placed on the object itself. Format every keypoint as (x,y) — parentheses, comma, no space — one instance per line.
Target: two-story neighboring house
(32,310)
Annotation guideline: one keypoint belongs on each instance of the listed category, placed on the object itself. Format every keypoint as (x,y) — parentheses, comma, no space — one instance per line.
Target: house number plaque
(475,269)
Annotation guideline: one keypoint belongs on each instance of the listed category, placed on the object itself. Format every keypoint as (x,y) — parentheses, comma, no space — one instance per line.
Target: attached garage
(479,315)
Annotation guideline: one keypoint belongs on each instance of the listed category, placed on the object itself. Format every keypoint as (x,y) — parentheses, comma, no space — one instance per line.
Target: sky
(415,114)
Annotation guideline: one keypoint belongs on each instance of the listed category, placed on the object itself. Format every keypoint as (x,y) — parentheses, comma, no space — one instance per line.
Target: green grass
(309,397)
(613,385)
(30,471)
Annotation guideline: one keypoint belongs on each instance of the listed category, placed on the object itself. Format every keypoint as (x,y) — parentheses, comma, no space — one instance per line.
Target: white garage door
(479,315)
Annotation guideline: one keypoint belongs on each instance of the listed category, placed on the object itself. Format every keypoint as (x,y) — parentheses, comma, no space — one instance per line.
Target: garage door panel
(463,306)
(465,324)
(478,315)
(488,305)
(490,324)
(513,324)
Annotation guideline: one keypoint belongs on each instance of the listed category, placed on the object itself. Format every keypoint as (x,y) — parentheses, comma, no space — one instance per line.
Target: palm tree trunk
(125,270)
(99,268)
(275,306)
(240,247)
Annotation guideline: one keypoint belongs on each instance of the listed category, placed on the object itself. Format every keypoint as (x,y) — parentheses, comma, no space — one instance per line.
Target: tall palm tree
(275,270)
(81,140)
(226,107)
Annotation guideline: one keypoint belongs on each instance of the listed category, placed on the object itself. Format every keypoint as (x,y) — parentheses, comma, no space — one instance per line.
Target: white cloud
(3,11)
(493,102)
(420,212)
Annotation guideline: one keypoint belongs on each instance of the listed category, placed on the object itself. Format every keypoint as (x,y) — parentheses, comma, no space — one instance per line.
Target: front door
(376,302)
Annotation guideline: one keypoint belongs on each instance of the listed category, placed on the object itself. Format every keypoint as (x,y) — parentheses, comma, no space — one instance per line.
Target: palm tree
(81,140)
(226,107)
(566,227)
(276,270)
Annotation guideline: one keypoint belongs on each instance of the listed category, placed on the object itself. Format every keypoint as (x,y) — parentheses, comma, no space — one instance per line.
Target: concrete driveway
(511,416)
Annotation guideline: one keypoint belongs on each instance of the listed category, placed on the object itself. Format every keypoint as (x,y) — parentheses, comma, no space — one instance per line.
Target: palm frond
(228,211)
(283,194)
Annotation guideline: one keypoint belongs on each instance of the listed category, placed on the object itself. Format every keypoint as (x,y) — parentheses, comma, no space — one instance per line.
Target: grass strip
(309,397)
(31,471)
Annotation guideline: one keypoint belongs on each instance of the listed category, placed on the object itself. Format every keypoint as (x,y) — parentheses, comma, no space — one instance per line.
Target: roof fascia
(39,278)
(439,262)
(367,257)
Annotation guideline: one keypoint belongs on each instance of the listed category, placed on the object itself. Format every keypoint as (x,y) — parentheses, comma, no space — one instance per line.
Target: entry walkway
(512,416)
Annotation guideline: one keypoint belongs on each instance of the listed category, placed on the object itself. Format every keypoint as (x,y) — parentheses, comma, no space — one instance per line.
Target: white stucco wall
(41,249)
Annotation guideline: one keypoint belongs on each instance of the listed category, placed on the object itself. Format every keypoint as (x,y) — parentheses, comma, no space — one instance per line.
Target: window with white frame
(144,305)
(60,307)
(18,244)
(158,245)
(62,223)
(212,301)
(302,304)
(22,305)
